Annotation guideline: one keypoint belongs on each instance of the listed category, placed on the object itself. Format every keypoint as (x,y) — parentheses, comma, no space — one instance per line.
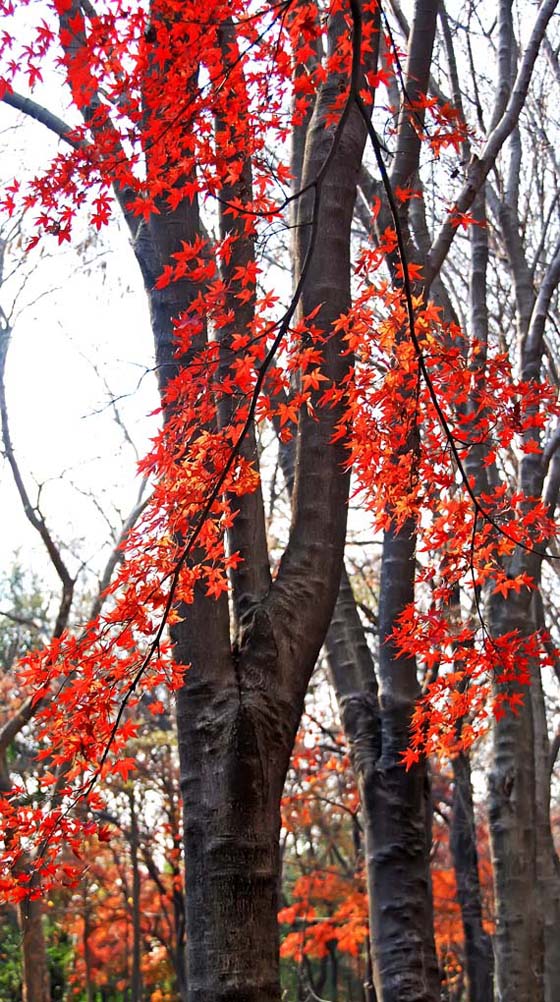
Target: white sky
(63,428)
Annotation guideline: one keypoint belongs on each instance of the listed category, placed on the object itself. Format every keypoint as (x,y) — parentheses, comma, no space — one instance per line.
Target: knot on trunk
(257,644)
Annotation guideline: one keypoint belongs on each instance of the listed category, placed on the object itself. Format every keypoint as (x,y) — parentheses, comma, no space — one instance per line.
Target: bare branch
(481,166)
(116,555)
(33,516)
(20,620)
(41,114)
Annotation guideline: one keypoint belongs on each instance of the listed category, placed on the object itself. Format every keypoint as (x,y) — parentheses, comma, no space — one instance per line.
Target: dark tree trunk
(478,945)
(398,839)
(512,813)
(179,951)
(396,808)
(239,709)
(136,972)
(35,985)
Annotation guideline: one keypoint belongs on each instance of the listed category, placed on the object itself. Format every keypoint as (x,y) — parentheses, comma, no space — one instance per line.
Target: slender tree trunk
(398,824)
(87,949)
(478,945)
(35,981)
(395,803)
(548,867)
(397,832)
(527,886)
(136,973)
(512,807)
(35,986)
(179,952)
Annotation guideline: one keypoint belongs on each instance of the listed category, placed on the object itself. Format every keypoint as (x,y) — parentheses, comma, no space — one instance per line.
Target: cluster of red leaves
(326,911)
(328,901)
(408,475)
(99,922)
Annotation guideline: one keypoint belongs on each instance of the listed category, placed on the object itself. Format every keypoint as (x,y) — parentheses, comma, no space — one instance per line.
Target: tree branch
(481,166)
(41,114)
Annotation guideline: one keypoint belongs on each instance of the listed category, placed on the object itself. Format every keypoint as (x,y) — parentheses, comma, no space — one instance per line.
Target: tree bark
(463,843)
(239,709)
(512,813)
(36,983)
(548,866)
(526,878)
(396,809)
(136,973)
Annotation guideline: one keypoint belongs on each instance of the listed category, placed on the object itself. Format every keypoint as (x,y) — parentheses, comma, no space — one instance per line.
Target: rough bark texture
(35,985)
(239,709)
(478,945)
(396,810)
(527,887)
(398,847)
(512,811)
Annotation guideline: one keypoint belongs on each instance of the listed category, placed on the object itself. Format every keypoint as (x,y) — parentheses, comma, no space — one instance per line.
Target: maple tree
(182,113)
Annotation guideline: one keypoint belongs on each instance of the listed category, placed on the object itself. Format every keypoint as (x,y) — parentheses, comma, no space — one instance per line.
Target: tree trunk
(239,708)
(136,974)
(519,937)
(395,804)
(478,945)
(548,867)
(35,981)
(35,987)
(398,834)
(90,988)
(179,952)
(234,755)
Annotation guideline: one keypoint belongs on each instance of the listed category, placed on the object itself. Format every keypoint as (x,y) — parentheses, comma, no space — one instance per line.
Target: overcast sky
(81,310)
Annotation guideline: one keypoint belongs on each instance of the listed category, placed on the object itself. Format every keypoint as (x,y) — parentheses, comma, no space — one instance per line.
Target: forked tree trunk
(239,708)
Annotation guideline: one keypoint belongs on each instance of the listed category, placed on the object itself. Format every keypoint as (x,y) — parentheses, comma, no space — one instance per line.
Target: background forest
(279,372)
